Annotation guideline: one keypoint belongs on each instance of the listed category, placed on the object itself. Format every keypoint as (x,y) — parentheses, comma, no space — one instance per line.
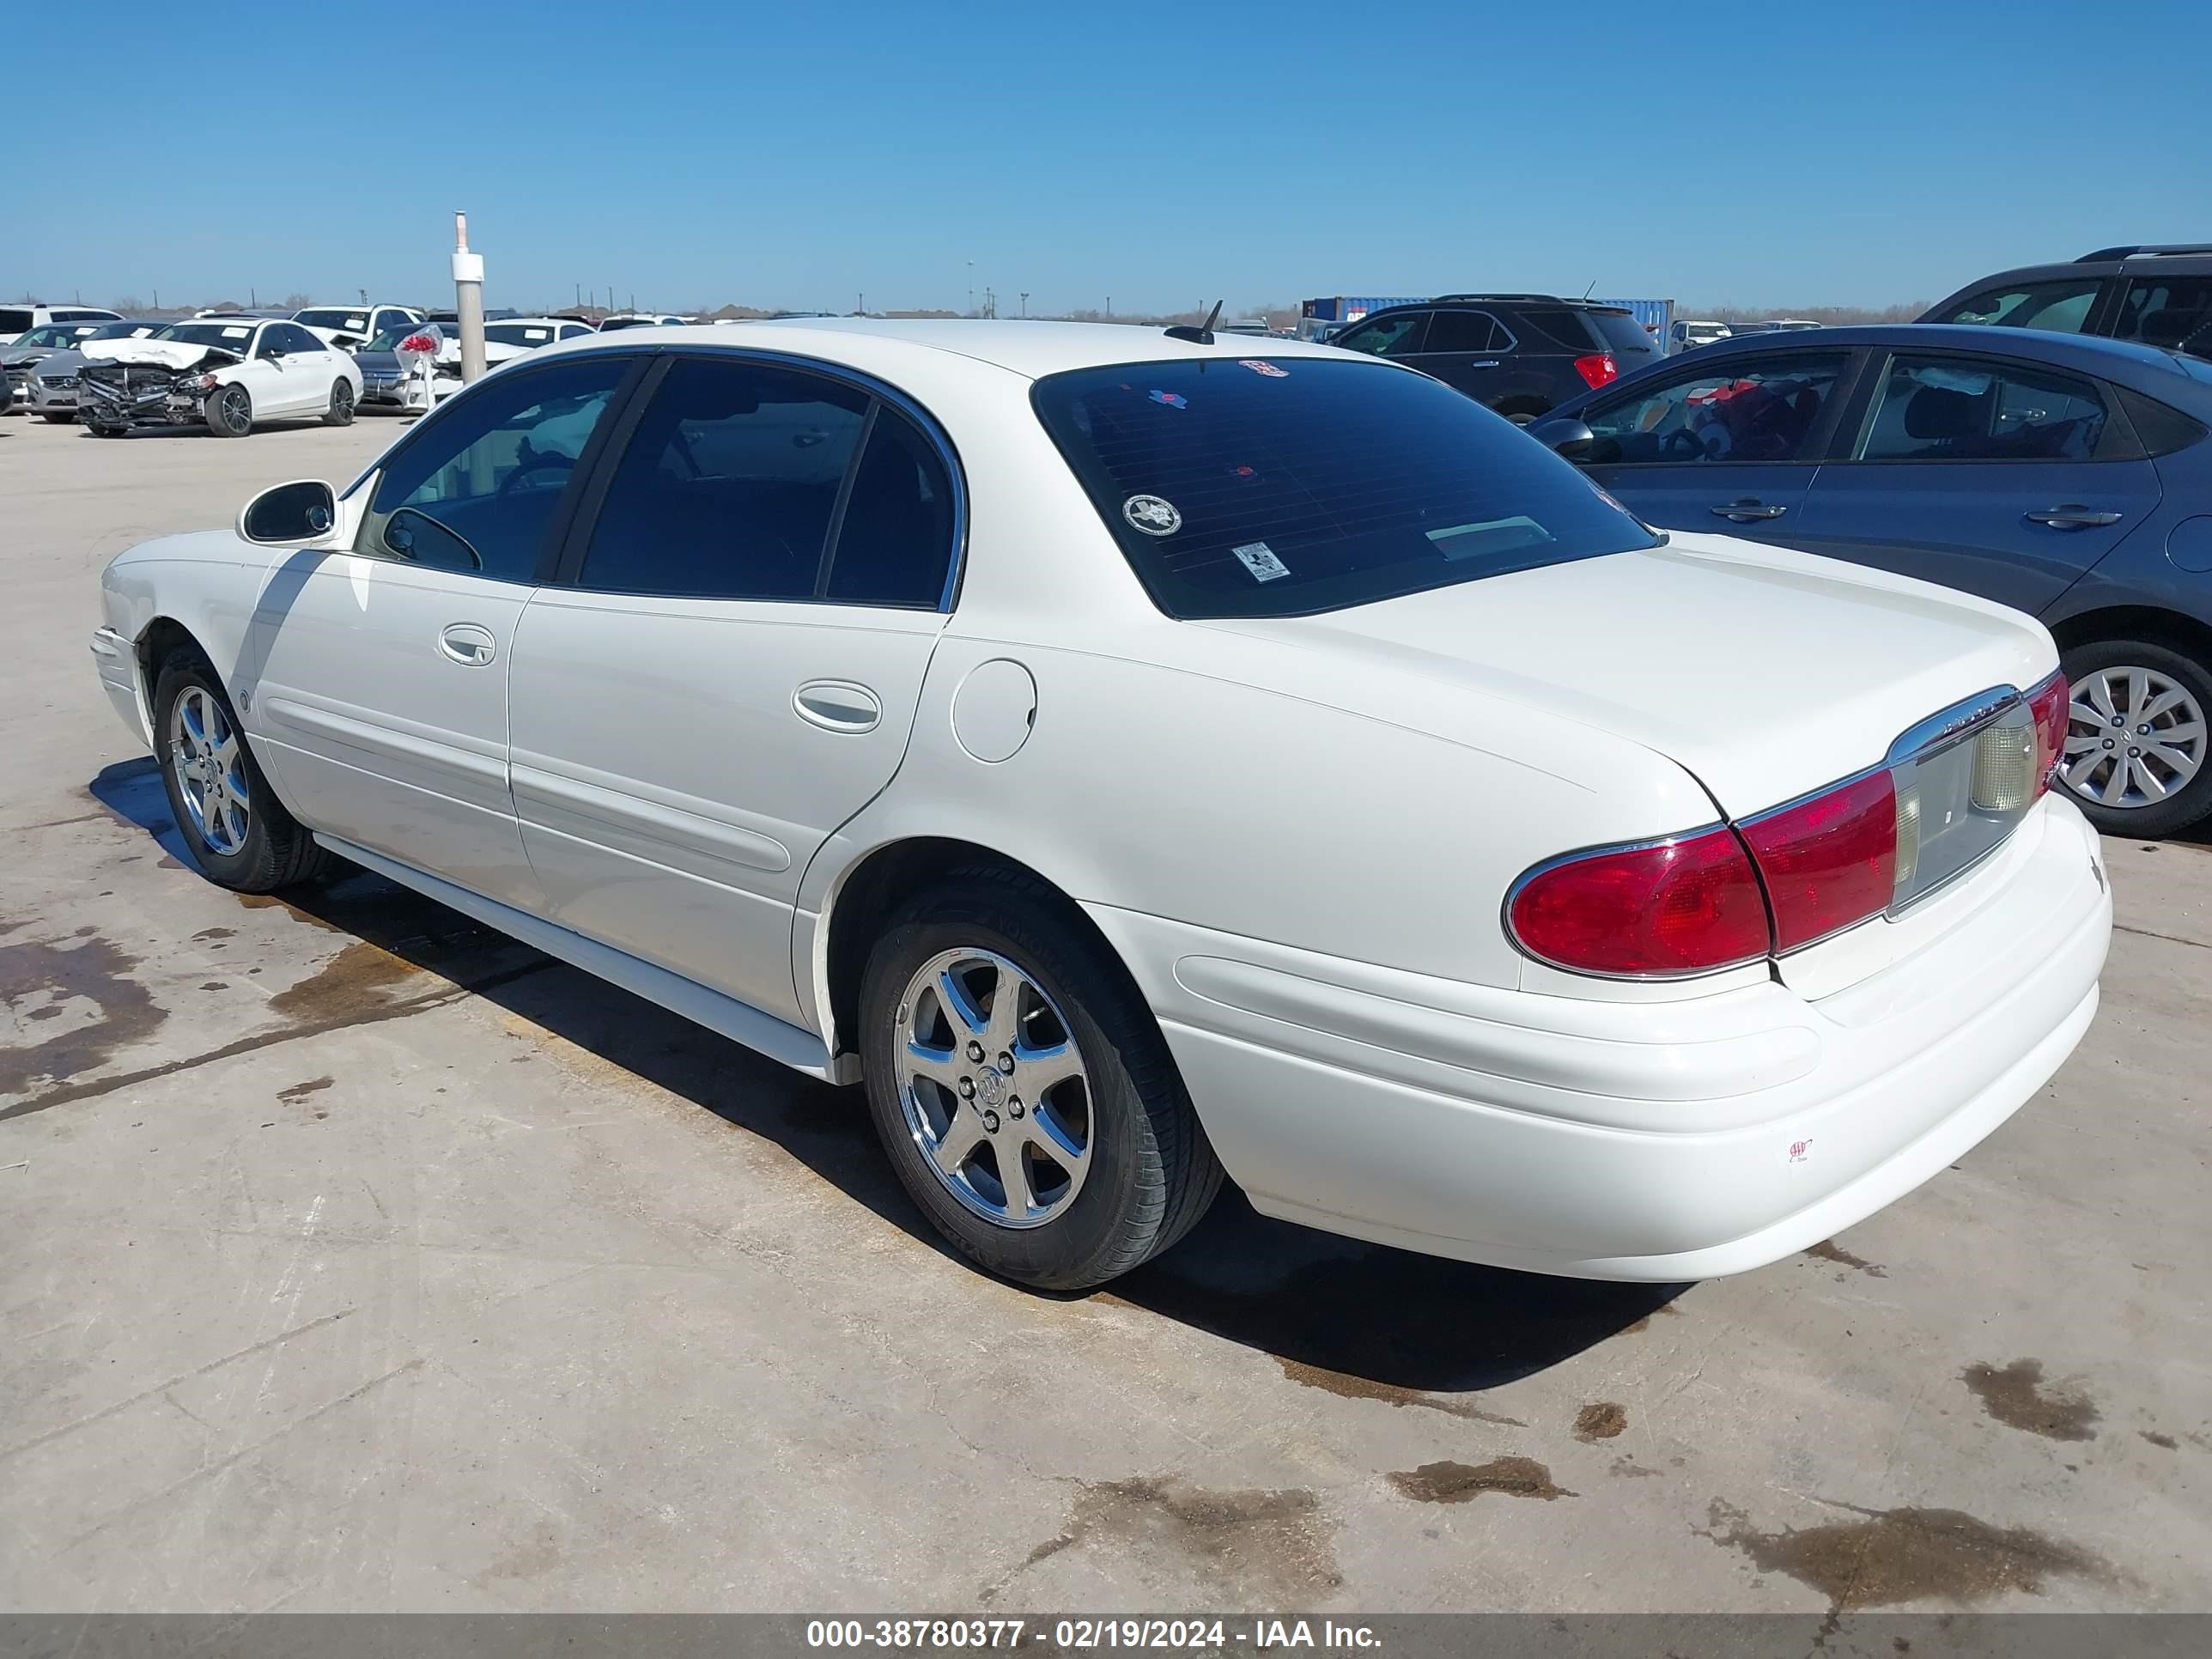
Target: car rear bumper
(1628,1140)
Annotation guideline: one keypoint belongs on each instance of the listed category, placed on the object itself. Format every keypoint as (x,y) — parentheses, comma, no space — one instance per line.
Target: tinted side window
(2061,307)
(1462,331)
(2159,429)
(1563,328)
(1398,335)
(478,488)
(1758,410)
(728,485)
(293,337)
(1956,409)
(895,541)
(2172,311)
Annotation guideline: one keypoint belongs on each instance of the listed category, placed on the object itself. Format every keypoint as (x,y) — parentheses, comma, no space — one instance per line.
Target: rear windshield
(339,322)
(1280,488)
(1623,333)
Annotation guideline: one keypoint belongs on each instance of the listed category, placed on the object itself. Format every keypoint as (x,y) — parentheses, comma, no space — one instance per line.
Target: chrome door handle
(1491,363)
(2072,518)
(1745,511)
(838,706)
(467,644)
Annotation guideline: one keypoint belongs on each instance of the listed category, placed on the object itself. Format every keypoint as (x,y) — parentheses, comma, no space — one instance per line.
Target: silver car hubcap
(209,764)
(2134,737)
(994,1088)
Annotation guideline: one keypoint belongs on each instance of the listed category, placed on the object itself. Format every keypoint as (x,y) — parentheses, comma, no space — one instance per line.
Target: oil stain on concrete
(1462,1483)
(1345,1385)
(300,1091)
(36,977)
(1887,1558)
(2015,1396)
(358,980)
(1268,1548)
(1828,1251)
(1601,1421)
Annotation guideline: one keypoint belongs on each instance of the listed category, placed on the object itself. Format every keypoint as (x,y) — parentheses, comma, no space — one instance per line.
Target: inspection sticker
(1153,515)
(1259,367)
(1259,559)
(236,333)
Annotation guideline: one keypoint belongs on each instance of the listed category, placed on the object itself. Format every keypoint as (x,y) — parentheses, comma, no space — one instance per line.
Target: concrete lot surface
(353,1256)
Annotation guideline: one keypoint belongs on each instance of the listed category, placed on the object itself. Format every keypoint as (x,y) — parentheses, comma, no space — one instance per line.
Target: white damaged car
(229,375)
(1140,757)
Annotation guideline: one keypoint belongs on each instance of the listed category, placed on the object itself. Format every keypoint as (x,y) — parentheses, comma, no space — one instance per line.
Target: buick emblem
(992,1087)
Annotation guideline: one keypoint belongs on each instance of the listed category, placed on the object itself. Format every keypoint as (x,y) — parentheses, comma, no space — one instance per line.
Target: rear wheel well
(2170,629)
(885,880)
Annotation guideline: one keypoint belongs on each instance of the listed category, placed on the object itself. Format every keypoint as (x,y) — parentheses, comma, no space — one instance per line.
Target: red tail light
(2049,703)
(1829,861)
(1677,907)
(1597,368)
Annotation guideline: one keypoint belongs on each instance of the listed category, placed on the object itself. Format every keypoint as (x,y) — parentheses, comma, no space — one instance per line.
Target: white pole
(468,300)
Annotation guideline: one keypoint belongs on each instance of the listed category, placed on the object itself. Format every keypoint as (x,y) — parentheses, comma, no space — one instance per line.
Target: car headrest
(1939,411)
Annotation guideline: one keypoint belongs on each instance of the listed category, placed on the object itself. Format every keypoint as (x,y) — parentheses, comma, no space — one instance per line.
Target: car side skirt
(801,1050)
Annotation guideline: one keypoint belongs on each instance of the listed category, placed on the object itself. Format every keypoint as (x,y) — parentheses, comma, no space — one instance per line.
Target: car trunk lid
(1766,673)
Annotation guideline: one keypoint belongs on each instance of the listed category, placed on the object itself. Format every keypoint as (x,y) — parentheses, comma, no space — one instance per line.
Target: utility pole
(861,304)
(468,300)
(1025,302)
(972,286)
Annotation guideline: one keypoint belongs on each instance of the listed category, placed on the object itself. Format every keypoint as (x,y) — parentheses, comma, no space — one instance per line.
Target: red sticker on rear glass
(1258,368)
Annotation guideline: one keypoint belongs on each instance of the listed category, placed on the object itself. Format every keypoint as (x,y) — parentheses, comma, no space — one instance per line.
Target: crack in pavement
(161,1388)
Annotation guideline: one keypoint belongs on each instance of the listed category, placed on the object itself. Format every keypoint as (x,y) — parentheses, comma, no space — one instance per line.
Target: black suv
(2160,296)
(1519,353)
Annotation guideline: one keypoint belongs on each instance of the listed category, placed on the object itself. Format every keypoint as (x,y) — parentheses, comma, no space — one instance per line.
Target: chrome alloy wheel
(209,765)
(2134,737)
(993,1090)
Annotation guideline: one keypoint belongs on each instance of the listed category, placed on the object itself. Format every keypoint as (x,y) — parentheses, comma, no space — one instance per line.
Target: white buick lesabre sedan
(1139,758)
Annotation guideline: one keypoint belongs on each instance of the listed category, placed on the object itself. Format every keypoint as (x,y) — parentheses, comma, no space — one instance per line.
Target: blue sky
(796,156)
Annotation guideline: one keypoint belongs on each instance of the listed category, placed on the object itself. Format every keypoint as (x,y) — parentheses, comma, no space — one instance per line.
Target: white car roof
(1027,348)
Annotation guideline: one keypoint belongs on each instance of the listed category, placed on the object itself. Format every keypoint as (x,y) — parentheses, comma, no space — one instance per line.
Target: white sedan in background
(229,374)
(1140,756)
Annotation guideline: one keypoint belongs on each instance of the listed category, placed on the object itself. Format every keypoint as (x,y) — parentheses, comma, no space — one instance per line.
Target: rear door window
(1744,409)
(2060,307)
(2172,311)
(729,486)
(1964,409)
(1279,488)
(13,321)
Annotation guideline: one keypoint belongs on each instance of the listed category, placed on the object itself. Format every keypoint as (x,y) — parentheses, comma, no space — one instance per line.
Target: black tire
(276,851)
(340,413)
(228,411)
(56,420)
(1152,1172)
(2192,802)
(102,429)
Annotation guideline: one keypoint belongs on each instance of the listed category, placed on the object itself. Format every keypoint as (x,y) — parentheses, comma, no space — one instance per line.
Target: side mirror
(1565,435)
(289,514)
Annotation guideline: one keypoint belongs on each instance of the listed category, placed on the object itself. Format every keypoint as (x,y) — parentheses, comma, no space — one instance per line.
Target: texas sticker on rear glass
(1259,559)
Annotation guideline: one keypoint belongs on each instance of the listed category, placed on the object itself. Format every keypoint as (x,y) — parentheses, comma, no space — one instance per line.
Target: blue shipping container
(1344,308)
(1658,317)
